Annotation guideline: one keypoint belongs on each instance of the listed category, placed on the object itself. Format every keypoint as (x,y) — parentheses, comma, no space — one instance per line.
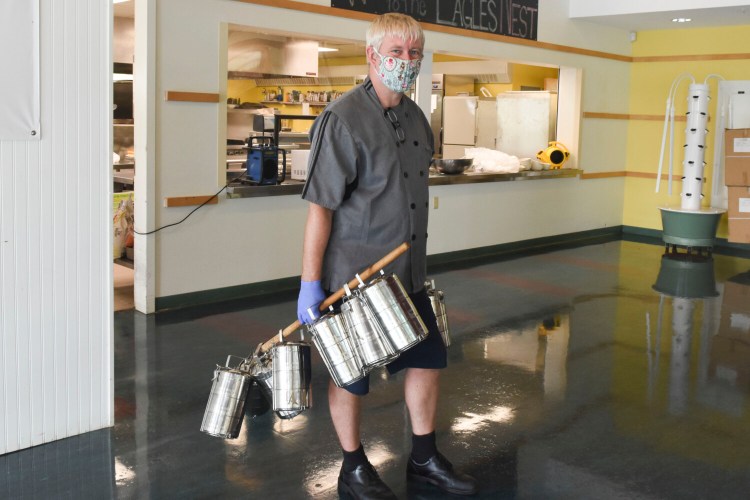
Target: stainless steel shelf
(295,187)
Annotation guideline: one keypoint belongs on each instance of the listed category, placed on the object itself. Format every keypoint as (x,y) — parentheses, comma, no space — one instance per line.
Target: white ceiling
(631,15)
(643,15)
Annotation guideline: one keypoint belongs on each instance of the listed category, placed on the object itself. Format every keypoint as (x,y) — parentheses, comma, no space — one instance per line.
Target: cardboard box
(739,214)
(737,157)
(729,360)
(736,297)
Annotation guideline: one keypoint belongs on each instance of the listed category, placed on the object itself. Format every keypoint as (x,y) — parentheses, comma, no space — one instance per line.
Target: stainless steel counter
(528,175)
(295,187)
(124,176)
(123,165)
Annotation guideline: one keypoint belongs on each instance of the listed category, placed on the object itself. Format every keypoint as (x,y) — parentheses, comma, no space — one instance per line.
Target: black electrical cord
(193,210)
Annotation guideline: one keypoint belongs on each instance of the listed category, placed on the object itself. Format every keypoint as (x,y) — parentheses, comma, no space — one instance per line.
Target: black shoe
(439,471)
(364,482)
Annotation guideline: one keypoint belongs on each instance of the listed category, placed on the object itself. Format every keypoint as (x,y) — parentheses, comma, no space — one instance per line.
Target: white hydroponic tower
(690,225)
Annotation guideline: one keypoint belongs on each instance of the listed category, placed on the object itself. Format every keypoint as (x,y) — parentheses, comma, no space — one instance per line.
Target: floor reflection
(605,371)
(718,319)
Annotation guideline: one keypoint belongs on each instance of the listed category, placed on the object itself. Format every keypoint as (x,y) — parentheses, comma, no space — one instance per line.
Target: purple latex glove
(311,294)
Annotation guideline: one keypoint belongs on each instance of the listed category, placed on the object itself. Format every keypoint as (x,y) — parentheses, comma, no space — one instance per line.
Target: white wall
(56,377)
(242,241)
(583,8)
(555,26)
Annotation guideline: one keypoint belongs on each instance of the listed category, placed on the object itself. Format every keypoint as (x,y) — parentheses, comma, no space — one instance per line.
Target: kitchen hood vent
(249,54)
(329,75)
(482,71)
(493,78)
(302,81)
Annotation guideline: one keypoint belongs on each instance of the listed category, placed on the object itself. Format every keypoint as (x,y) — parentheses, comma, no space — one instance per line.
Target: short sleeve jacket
(375,183)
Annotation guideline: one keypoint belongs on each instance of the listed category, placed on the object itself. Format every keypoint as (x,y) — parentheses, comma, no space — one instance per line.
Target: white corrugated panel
(56,353)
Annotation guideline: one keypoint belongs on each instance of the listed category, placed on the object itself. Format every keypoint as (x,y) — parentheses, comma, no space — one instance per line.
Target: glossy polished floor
(600,372)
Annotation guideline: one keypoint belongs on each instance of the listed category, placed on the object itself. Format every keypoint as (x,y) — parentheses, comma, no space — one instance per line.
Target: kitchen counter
(124,176)
(123,165)
(291,187)
(477,177)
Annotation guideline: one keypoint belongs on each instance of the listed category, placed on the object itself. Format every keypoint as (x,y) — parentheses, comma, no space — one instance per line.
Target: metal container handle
(365,274)
(244,360)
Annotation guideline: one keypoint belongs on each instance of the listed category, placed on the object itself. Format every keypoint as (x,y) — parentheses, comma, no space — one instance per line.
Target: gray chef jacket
(376,185)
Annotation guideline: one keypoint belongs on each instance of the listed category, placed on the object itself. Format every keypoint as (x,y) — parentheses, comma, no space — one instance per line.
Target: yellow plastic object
(556,154)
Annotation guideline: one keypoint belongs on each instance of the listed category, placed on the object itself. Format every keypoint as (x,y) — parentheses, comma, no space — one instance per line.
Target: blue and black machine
(263,161)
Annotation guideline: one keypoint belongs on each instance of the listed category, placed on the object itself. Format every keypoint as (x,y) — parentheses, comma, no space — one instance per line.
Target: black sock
(423,447)
(352,459)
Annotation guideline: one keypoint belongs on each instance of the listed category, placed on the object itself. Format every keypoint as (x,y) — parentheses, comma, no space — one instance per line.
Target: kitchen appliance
(526,122)
(300,158)
(263,161)
(236,159)
(556,154)
(459,125)
(436,111)
(122,95)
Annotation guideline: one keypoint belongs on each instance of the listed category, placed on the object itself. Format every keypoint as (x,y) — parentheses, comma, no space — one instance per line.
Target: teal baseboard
(288,287)
(526,247)
(249,291)
(654,237)
(642,235)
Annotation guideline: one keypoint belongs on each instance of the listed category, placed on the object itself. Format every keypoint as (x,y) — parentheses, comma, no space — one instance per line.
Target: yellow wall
(246,91)
(524,75)
(649,85)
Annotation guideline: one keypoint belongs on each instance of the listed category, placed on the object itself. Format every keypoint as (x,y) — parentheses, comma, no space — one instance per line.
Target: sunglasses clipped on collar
(395,124)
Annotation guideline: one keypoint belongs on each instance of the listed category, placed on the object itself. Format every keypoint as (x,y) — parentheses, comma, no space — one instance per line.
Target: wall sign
(516,18)
(19,60)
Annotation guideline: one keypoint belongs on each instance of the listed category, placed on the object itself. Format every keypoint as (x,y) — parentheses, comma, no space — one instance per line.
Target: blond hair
(393,24)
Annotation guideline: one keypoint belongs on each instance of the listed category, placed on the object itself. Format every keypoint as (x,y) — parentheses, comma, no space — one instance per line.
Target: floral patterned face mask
(398,74)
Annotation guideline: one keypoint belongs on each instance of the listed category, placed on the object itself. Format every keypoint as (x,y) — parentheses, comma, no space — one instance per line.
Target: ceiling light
(327,49)
(681,20)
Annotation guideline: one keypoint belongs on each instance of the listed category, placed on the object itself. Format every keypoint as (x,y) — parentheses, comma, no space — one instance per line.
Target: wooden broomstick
(364,275)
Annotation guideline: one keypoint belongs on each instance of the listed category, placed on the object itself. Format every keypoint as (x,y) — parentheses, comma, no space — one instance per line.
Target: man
(368,191)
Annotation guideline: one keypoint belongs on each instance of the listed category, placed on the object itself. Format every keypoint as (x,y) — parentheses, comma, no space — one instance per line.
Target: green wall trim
(290,286)
(642,235)
(654,236)
(525,247)
(248,291)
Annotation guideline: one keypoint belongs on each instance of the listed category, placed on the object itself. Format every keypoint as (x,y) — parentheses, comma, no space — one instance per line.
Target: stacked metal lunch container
(376,323)
(283,376)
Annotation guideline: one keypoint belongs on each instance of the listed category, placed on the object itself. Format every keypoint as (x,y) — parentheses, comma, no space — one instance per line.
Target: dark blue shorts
(430,353)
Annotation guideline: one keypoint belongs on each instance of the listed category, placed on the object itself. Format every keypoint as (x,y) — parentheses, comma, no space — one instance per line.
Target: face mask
(398,74)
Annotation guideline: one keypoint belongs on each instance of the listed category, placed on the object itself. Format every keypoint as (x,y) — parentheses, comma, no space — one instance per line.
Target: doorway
(123,155)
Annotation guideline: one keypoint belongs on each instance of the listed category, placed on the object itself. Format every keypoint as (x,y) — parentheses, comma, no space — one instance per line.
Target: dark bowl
(452,167)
